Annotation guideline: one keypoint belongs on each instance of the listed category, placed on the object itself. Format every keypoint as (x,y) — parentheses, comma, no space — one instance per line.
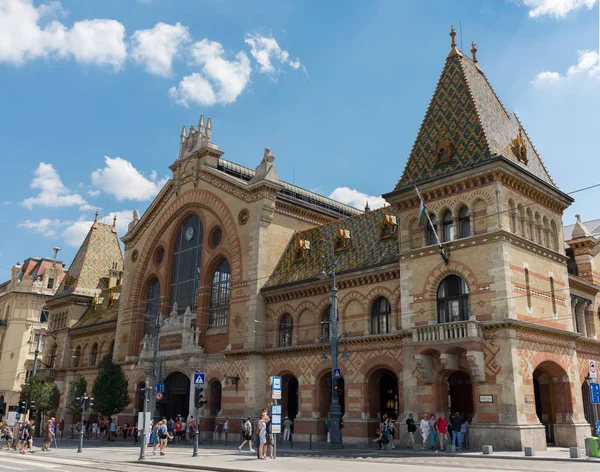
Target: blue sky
(93,96)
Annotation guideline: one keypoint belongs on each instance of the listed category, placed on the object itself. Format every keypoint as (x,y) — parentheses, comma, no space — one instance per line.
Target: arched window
(538,229)
(553,236)
(447,226)
(326,325)
(53,353)
(214,398)
(431,230)
(152,305)
(187,258)
(521,220)
(219,296)
(380,316)
(76,356)
(530,224)
(44,315)
(528,288)
(286,329)
(453,300)
(94,355)
(464,223)
(546,229)
(513,217)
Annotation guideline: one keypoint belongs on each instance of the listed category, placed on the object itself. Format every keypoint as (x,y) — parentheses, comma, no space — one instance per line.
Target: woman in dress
(262,433)
(424,431)
(432,432)
(153,440)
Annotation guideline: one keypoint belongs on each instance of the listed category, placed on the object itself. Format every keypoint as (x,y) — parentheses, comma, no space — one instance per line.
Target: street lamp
(144,425)
(85,402)
(589,379)
(335,410)
(36,353)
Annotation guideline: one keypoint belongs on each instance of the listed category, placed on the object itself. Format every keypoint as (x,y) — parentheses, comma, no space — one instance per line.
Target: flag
(422,213)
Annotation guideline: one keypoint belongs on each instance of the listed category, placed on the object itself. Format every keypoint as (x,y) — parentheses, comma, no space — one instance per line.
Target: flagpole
(442,252)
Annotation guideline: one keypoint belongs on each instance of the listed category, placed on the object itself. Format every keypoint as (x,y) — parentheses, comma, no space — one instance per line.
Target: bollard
(575,453)
(529,452)
(487,449)
(451,448)
(292,441)
(588,449)
(310,441)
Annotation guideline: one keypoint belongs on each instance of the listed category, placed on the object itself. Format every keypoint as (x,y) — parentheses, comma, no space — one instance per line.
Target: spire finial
(208,128)
(453,50)
(114,226)
(201,125)
(578,218)
(474,51)
(367,208)
(95,225)
(183,132)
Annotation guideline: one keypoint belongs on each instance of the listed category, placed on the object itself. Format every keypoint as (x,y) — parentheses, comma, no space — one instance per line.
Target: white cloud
(122,180)
(53,192)
(266,51)
(45,226)
(221,80)
(587,66)
(155,48)
(93,193)
(76,232)
(556,8)
(28,33)
(356,199)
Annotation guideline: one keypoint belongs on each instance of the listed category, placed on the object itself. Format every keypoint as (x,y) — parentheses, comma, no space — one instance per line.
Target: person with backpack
(163,436)
(456,424)
(246,435)
(384,429)
(392,430)
(441,427)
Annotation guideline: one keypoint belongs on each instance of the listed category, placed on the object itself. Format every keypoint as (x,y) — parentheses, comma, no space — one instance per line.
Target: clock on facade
(189,233)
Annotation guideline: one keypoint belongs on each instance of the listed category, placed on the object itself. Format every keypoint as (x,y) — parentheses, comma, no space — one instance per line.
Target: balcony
(445,332)
(46,374)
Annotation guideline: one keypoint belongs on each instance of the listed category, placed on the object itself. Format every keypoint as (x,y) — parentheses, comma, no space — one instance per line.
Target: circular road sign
(159,396)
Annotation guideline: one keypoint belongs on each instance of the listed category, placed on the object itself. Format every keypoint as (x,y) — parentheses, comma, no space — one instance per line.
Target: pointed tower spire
(453,50)
(183,132)
(201,125)
(208,128)
(114,226)
(95,225)
(367,208)
(474,51)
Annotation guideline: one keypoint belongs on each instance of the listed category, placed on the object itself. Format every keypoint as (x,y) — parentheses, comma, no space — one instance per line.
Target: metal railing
(446,332)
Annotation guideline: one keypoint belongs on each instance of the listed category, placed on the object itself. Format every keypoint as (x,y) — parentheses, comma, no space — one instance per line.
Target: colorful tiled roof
(99,252)
(105,311)
(466,111)
(365,249)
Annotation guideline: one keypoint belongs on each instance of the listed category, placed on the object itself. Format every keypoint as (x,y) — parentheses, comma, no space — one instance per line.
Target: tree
(77,388)
(40,396)
(110,388)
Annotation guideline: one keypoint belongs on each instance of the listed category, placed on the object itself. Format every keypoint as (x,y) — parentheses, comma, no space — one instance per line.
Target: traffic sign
(337,374)
(276,419)
(276,384)
(592,370)
(199,378)
(159,396)
(276,394)
(159,388)
(595,393)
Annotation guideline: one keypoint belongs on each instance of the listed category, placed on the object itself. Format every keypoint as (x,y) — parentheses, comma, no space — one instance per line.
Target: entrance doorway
(460,394)
(289,396)
(383,394)
(177,396)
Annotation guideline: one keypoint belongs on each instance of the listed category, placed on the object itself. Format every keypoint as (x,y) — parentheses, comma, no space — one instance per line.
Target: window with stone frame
(453,300)
(53,354)
(76,356)
(464,222)
(380,316)
(94,355)
(286,330)
(326,325)
(447,226)
(186,263)
(431,230)
(220,293)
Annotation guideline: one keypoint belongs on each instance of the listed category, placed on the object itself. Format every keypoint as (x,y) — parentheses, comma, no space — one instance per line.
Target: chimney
(55,249)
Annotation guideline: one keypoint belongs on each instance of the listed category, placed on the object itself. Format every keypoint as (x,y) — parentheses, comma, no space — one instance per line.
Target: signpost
(595,393)
(592,370)
(159,388)
(275,411)
(276,418)
(199,402)
(199,379)
(337,374)
(159,396)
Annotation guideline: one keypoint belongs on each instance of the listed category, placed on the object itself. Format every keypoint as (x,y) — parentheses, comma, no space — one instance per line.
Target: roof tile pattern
(365,249)
(106,311)
(89,271)
(466,111)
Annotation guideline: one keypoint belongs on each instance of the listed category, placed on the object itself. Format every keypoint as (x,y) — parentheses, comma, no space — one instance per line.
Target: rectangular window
(50,283)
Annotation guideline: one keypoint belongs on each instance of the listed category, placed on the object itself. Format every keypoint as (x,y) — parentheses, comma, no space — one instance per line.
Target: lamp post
(144,425)
(335,410)
(589,379)
(85,402)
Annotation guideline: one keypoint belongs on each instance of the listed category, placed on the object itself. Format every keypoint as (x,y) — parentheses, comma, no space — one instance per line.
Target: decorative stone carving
(449,361)
(476,361)
(425,367)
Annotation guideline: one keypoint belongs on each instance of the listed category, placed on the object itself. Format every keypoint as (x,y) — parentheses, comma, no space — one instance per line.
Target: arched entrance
(383,394)
(214,398)
(325,395)
(551,389)
(289,396)
(460,394)
(177,396)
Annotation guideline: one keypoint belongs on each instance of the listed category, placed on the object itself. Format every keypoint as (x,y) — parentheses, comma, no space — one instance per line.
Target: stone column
(591,328)
(581,321)
(574,302)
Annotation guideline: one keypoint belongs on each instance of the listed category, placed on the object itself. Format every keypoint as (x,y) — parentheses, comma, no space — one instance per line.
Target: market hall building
(501,329)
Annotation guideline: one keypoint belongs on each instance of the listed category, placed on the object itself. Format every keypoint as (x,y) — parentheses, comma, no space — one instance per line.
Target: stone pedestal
(507,437)
(571,435)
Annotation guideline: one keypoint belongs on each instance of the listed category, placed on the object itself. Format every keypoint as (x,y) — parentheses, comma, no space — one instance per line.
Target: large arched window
(94,355)
(187,258)
(464,223)
(447,226)
(152,305)
(453,300)
(286,329)
(380,316)
(219,296)
(326,325)
(76,356)
(431,231)
(53,354)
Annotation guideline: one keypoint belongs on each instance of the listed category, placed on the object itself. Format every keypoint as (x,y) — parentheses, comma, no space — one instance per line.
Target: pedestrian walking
(287,428)
(191,429)
(61,427)
(47,435)
(163,436)
(247,435)
(135,433)
(270,442)
(424,431)
(464,433)
(27,437)
(125,430)
(262,432)
(456,424)
(219,430)
(153,439)
(441,427)
(411,428)
(328,428)
(392,430)
(113,430)
(226,430)
(432,432)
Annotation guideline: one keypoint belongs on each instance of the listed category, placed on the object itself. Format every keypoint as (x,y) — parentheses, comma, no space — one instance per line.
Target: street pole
(335,410)
(156,366)
(144,425)
(195,454)
(83,399)
(36,353)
